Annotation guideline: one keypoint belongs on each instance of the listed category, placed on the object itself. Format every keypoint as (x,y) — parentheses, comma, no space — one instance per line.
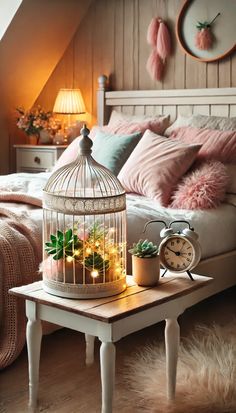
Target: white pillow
(203,121)
(231,170)
(119,116)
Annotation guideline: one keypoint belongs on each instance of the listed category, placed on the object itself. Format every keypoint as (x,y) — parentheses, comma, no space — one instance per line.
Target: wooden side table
(110,319)
(37,158)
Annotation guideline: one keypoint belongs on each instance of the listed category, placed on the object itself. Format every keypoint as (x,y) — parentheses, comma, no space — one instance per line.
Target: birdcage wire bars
(84,229)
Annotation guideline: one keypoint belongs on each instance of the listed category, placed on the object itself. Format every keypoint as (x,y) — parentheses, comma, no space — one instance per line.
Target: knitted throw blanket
(20,255)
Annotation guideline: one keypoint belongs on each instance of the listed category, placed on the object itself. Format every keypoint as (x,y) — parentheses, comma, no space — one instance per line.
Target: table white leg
(172,334)
(89,349)
(107,363)
(33,337)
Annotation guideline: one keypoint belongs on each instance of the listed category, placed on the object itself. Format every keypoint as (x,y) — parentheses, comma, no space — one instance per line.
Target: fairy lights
(96,252)
(94,273)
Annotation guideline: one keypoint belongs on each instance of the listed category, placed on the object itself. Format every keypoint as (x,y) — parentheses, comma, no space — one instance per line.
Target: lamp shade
(69,101)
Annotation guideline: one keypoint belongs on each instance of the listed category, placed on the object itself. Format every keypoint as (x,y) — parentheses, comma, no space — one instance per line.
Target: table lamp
(69,102)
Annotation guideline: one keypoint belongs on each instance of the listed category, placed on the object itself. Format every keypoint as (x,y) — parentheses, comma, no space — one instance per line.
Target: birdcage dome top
(84,186)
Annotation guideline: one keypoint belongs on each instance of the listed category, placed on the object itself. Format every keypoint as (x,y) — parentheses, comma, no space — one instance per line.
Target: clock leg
(190,275)
(164,272)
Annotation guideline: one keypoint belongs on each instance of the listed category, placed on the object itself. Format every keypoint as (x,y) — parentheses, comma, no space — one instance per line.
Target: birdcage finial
(86,143)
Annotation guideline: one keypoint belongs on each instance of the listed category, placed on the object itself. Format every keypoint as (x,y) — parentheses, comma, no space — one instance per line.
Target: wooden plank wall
(112,40)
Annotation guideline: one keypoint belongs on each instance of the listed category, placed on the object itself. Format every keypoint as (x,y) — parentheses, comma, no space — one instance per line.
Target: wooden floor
(68,386)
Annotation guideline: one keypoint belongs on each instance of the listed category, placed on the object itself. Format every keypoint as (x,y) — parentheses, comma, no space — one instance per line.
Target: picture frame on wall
(205,29)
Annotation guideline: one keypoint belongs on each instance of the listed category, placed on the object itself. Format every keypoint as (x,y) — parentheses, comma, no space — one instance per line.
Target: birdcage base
(84,291)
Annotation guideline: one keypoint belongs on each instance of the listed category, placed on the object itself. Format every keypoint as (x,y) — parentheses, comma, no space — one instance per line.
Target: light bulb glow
(69,259)
(94,273)
(88,250)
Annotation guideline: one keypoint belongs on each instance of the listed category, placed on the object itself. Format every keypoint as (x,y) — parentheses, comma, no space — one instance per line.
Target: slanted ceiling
(34,42)
(8,10)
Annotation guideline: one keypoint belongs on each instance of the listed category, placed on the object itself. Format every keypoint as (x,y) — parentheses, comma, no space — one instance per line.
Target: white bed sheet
(216,227)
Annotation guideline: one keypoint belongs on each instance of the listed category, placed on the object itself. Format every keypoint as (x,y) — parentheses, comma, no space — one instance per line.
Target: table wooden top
(133,300)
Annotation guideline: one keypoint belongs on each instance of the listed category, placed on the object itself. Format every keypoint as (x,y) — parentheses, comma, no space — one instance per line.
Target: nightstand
(37,158)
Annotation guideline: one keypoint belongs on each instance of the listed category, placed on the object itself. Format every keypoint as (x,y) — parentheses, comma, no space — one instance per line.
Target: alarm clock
(179,251)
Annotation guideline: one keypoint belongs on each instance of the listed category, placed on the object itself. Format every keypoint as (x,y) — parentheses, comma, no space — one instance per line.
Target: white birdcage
(84,229)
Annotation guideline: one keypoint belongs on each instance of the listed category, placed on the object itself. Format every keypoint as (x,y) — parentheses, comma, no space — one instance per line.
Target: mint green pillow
(113,150)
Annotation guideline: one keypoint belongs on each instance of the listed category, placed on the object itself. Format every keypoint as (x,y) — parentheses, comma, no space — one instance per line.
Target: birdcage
(84,229)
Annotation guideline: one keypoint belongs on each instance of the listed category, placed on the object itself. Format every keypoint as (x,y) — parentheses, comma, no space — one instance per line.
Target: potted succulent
(145,263)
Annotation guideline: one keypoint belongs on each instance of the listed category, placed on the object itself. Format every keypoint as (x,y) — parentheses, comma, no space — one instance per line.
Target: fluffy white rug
(206,376)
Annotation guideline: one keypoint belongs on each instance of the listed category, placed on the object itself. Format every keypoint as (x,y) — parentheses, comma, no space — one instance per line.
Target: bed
(21,213)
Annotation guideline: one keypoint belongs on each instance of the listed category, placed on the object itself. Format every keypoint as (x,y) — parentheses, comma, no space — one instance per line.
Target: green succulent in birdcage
(95,261)
(64,243)
(144,249)
(96,232)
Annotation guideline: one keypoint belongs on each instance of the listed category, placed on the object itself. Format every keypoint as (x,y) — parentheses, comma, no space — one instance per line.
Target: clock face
(177,254)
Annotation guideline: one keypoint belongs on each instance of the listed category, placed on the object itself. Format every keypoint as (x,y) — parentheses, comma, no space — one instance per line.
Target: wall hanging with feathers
(158,37)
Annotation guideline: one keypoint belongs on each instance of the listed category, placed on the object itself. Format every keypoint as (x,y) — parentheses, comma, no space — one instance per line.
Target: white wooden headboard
(218,102)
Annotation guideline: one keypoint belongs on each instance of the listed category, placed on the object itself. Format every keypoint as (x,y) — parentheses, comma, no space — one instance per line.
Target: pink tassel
(155,66)
(163,44)
(204,39)
(152,31)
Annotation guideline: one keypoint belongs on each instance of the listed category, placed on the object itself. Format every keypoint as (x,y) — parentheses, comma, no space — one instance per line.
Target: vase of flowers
(145,263)
(33,121)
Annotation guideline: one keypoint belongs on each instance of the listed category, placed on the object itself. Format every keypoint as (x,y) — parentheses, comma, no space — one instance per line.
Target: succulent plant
(144,249)
(63,243)
(95,261)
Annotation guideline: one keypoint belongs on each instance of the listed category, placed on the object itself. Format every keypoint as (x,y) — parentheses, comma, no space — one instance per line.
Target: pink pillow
(155,166)
(202,188)
(120,127)
(69,155)
(217,145)
(157,125)
(71,152)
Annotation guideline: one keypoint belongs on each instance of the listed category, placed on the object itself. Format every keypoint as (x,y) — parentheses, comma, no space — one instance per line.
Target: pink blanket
(20,254)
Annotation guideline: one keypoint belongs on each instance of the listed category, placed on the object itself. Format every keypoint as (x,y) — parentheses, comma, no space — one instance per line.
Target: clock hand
(175,252)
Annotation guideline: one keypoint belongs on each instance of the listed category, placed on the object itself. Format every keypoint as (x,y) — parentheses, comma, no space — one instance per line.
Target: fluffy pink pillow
(216,145)
(155,166)
(202,188)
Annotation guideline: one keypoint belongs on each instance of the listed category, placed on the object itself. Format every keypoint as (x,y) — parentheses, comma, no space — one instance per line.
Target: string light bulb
(94,273)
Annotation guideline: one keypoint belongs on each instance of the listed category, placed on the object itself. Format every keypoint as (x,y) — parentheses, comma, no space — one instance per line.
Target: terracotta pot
(146,271)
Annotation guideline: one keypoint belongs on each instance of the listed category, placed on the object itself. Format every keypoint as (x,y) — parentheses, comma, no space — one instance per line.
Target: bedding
(202,121)
(20,254)
(204,187)
(157,125)
(112,151)
(217,145)
(155,166)
(109,149)
(162,121)
(214,226)
(231,171)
